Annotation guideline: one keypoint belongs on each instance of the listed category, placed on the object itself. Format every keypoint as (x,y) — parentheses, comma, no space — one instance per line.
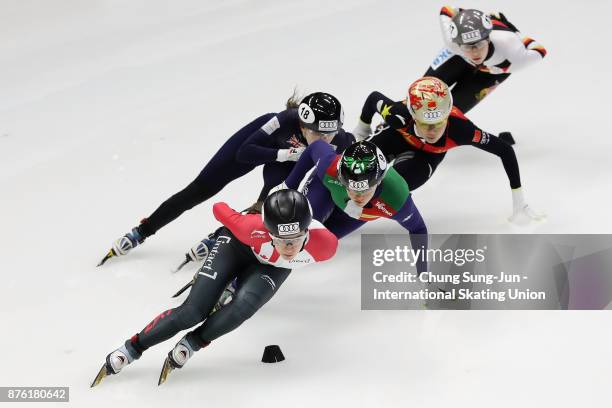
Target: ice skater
(481,51)
(273,140)
(356,187)
(259,252)
(420,130)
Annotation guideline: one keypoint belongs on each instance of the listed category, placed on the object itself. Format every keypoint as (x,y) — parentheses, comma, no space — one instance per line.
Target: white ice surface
(109,107)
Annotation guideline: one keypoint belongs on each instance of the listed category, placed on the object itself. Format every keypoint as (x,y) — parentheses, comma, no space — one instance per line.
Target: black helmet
(321,112)
(362,166)
(470,26)
(286,212)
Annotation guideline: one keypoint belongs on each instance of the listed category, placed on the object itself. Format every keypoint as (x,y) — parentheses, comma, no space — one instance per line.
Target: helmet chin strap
(305,241)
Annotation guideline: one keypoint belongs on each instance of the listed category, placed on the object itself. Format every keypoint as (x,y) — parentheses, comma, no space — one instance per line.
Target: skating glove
(502,18)
(522,214)
(291,154)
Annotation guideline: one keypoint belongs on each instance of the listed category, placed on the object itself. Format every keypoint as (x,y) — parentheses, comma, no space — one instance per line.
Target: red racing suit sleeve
(241,225)
(322,244)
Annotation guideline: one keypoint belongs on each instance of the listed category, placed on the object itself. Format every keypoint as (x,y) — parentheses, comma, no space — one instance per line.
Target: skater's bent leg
(260,283)
(220,171)
(410,218)
(213,277)
(471,90)
(369,106)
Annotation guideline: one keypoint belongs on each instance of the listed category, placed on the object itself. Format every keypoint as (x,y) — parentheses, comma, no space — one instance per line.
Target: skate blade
(166,369)
(185,262)
(183,289)
(101,374)
(108,256)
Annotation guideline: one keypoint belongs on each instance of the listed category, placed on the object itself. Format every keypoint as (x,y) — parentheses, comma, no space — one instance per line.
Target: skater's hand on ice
(522,214)
(526,215)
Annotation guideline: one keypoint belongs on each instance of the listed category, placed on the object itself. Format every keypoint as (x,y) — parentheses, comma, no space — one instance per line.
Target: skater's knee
(246,305)
(420,229)
(188,316)
(374,97)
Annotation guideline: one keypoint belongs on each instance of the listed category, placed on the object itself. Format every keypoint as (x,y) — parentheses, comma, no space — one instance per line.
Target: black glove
(502,18)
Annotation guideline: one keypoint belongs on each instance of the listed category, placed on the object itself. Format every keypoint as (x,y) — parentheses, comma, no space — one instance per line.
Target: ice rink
(109,107)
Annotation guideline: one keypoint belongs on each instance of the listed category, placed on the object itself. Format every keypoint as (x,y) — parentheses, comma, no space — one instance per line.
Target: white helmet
(429,100)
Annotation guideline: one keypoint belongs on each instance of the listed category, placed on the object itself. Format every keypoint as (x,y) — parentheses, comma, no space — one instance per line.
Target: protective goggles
(362,192)
(436,126)
(322,135)
(480,45)
(299,240)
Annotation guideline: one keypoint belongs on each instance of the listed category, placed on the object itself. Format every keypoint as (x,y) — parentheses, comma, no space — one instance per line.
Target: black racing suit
(417,160)
(257,143)
(508,51)
(229,259)
(469,83)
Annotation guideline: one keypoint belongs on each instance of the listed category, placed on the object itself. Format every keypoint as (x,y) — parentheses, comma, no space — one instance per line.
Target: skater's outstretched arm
(467,133)
(318,153)
(520,51)
(241,225)
(263,146)
(470,134)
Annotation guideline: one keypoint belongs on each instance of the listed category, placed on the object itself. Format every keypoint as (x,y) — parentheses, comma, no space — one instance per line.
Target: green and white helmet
(362,166)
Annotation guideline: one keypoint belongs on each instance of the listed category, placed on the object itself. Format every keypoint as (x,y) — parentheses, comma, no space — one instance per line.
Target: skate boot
(226,296)
(198,252)
(116,361)
(177,358)
(124,244)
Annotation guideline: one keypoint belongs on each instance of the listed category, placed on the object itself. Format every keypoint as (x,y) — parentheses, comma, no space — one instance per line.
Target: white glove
(291,154)
(353,210)
(521,212)
(362,131)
